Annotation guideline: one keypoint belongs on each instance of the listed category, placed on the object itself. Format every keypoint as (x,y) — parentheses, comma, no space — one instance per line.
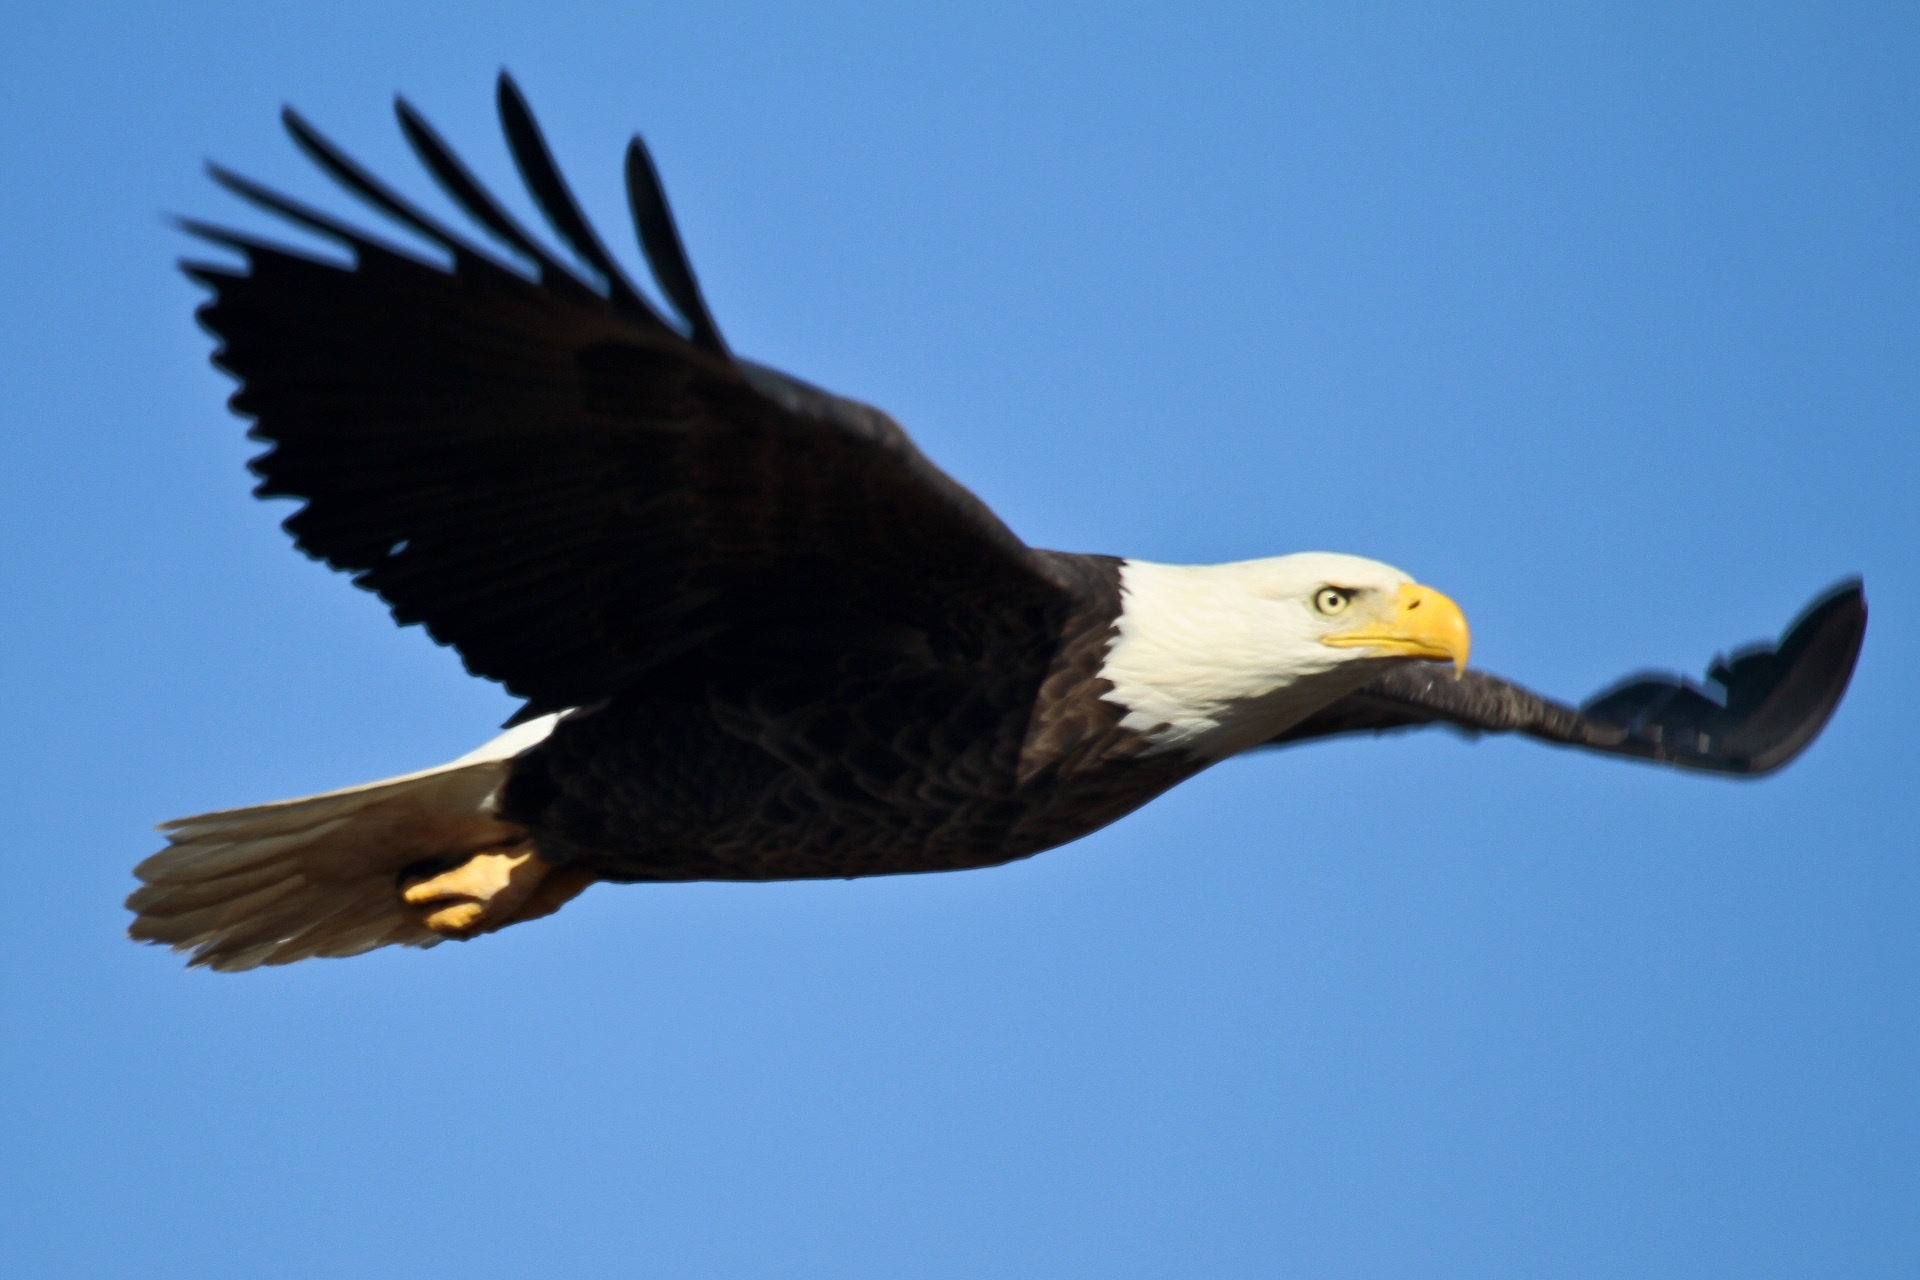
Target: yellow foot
(490,891)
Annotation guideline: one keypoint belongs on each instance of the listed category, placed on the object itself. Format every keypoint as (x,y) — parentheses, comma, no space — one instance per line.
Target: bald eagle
(758,634)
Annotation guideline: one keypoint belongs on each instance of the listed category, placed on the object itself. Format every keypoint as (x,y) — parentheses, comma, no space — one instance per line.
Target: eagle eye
(1332,601)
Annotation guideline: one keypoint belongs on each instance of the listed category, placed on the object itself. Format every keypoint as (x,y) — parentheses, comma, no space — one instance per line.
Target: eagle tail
(319,875)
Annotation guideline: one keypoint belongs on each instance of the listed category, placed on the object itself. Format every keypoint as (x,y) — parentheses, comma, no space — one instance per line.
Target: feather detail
(317,876)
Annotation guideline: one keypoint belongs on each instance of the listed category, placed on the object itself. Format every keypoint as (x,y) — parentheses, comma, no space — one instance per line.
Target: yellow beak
(1423,624)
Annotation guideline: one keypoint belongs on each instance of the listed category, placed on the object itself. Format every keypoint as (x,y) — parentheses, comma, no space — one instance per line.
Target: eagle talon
(479,895)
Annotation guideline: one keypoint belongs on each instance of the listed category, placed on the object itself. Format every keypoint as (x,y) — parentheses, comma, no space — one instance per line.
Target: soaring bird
(758,634)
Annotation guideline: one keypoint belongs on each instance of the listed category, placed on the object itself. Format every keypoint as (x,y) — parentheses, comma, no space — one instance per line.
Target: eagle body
(757,633)
(771,760)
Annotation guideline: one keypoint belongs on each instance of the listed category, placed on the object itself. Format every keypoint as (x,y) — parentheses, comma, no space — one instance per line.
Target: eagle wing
(1757,710)
(549,475)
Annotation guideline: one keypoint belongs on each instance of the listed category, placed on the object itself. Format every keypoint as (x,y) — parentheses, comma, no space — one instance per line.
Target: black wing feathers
(556,482)
(473,199)
(1762,706)
(1758,710)
(549,189)
(286,207)
(660,241)
(343,170)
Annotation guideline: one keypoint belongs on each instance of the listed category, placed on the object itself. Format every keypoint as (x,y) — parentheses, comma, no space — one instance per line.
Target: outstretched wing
(1756,711)
(553,478)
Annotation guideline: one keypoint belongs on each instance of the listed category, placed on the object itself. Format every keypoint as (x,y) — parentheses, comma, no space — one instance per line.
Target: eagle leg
(489,890)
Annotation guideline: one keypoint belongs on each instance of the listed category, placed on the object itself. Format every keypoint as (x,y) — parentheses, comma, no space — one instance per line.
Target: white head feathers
(1213,659)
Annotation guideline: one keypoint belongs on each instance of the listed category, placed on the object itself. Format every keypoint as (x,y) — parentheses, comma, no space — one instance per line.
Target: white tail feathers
(318,876)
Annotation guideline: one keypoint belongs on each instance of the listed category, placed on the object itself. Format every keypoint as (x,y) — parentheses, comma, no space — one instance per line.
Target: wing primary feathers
(290,209)
(342,169)
(1759,709)
(1773,699)
(466,191)
(460,184)
(226,238)
(550,192)
(660,240)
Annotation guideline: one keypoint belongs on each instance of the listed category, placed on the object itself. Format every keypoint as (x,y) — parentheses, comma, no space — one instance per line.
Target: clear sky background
(1604,322)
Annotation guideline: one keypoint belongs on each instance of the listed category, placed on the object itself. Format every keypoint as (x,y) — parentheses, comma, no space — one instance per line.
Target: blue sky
(1604,322)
